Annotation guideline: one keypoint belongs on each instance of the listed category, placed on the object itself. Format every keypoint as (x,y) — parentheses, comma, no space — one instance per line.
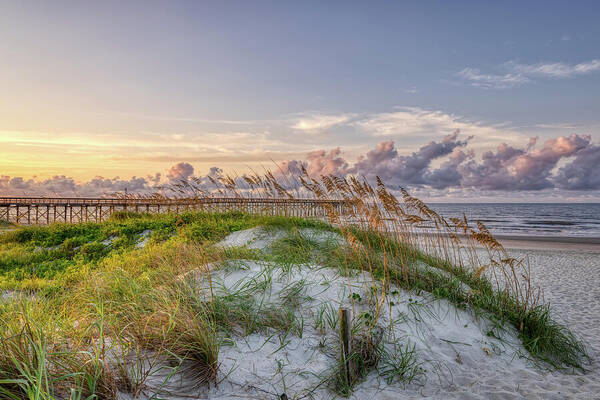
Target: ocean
(530,219)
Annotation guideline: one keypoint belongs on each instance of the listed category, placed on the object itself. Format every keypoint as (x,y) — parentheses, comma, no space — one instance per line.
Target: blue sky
(135,87)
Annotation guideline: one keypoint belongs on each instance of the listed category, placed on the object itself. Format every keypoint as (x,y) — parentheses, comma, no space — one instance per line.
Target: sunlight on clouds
(318,122)
(417,122)
(84,155)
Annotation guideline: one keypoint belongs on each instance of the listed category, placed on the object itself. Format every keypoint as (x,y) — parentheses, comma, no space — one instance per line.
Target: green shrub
(124,215)
(93,251)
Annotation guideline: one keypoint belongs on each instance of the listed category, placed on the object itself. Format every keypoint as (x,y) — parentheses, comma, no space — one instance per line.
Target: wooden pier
(45,210)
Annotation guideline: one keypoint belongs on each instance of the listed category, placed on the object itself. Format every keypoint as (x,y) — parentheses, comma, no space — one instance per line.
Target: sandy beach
(550,243)
(568,271)
(303,200)
(460,358)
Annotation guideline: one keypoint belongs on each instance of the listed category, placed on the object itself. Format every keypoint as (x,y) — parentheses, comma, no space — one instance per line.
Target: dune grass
(37,257)
(5,226)
(81,323)
(110,330)
(90,314)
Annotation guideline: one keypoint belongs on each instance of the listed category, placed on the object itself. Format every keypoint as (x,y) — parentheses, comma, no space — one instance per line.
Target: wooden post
(5,213)
(346,346)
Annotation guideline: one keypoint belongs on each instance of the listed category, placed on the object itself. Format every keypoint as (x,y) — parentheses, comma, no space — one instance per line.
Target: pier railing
(46,210)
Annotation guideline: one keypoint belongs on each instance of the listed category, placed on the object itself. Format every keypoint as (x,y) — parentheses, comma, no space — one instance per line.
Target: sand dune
(460,359)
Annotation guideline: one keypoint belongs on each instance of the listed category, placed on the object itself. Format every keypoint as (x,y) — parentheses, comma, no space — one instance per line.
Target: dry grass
(387,234)
(137,312)
(111,331)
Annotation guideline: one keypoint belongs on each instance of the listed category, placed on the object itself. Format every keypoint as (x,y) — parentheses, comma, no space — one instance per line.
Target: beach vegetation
(5,224)
(90,312)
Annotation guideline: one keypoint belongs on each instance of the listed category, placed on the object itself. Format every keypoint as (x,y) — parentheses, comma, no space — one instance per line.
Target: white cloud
(418,122)
(492,81)
(557,69)
(319,122)
(519,74)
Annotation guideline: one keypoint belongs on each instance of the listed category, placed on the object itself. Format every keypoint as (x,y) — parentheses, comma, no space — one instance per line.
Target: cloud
(63,186)
(516,74)
(565,164)
(408,121)
(321,162)
(448,175)
(319,122)
(583,173)
(155,179)
(492,81)
(511,169)
(317,163)
(180,171)
(556,70)
(418,123)
(385,162)
(506,169)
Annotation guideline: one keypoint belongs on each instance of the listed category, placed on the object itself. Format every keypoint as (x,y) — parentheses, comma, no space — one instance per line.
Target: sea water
(530,219)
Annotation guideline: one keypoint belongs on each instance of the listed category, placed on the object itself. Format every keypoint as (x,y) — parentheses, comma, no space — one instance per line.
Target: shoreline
(540,242)
(550,239)
(558,243)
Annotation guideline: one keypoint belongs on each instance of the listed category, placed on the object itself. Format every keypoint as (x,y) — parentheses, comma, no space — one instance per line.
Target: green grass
(546,340)
(549,343)
(36,257)
(39,257)
(5,224)
(93,300)
(131,303)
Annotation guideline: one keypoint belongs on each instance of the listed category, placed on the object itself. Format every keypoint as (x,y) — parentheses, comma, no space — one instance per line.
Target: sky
(457,101)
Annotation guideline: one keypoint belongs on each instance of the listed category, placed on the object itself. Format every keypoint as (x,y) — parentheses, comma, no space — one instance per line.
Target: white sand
(142,239)
(462,362)
(109,240)
(255,238)
(571,284)
(260,238)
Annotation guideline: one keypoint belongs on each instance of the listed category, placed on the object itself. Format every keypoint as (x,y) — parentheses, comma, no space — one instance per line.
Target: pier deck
(46,210)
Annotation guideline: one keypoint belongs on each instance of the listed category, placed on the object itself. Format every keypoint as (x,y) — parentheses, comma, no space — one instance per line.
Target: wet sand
(550,243)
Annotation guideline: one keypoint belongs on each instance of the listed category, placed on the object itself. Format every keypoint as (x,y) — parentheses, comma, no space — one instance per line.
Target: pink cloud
(566,163)
(180,171)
